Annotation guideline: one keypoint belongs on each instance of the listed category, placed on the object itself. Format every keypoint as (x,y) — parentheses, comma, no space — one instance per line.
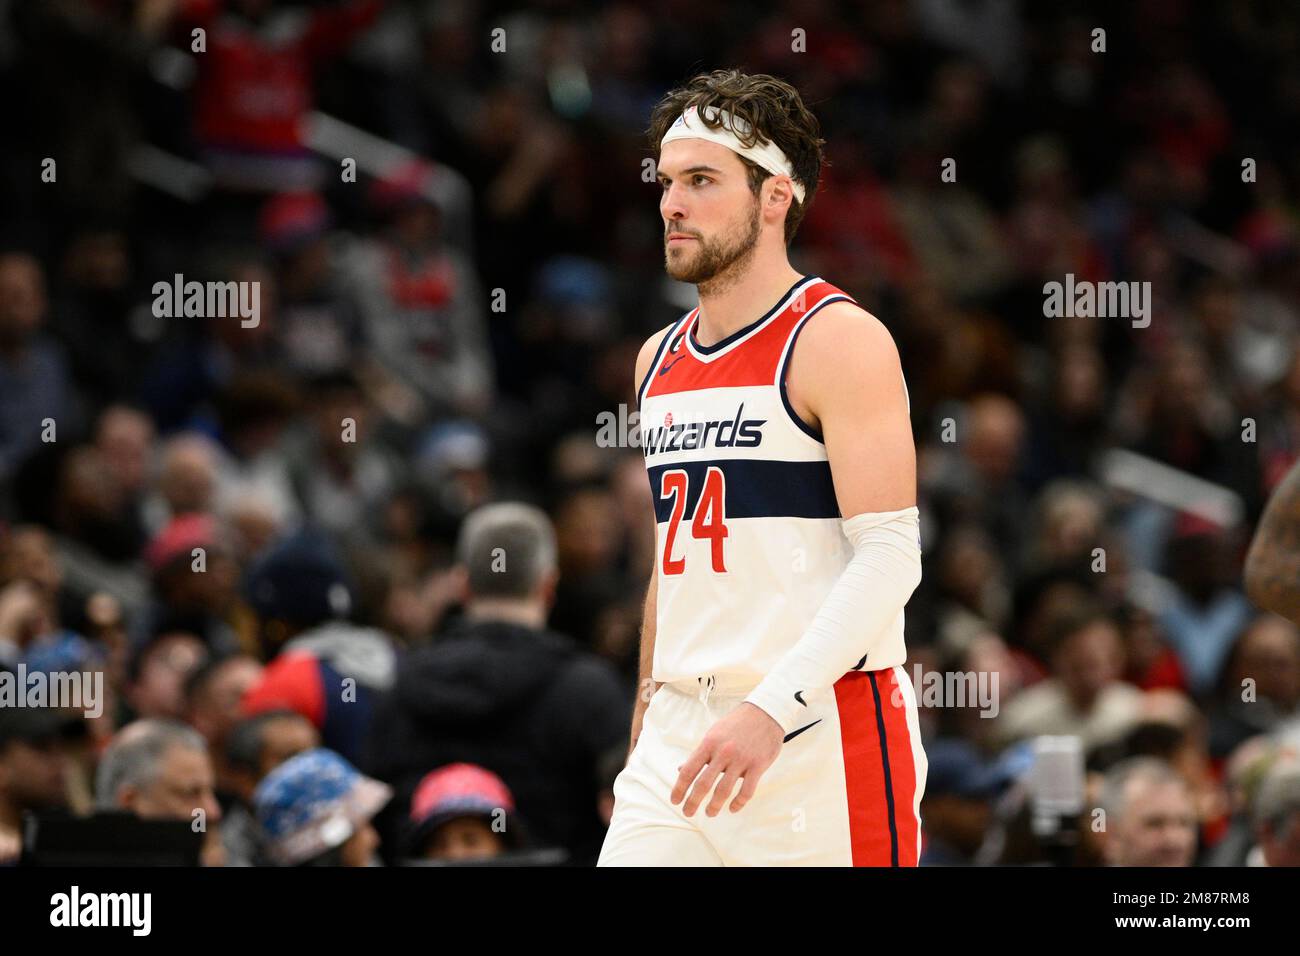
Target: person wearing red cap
(193,574)
(462,812)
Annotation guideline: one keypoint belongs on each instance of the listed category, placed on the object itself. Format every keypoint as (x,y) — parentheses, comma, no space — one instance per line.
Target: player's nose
(672,204)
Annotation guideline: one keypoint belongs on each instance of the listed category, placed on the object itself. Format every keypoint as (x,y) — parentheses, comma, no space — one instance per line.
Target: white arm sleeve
(880,577)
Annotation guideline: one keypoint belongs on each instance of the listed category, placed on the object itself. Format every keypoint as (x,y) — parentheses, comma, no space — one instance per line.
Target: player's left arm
(846,372)
(846,379)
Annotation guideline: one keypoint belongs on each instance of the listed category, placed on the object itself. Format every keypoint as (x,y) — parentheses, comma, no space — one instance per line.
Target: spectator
(124,438)
(195,581)
(34,385)
(1084,696)
(980,483)
(960,788)
(1203,616)
(949,225)
(254,414)
(1174,730)
(254,747)
(159,769)
(451,463)
(341,474)
(1150,820)
(1260,685)
(503,692)
(254,89)
(1243,771)
(588,543)
(159,671)
(24,617)
(462,813)
(33,744)
(1276,815)
(187,478)
(105,351)
(213,694)
(1150,662)
(98,538)
(1066,436)
(321,665)
(317,323)
(202,359)
(315,810)
(422,303)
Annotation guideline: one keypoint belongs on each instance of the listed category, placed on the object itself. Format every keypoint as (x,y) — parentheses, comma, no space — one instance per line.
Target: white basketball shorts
(845,791)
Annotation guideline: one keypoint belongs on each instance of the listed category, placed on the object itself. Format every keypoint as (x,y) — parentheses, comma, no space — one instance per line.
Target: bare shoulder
(845,359)
(647,354)
(845,338)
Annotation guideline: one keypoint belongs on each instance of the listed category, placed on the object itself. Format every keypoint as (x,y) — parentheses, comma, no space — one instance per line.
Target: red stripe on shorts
(864,769)
(902,765)
(864,775)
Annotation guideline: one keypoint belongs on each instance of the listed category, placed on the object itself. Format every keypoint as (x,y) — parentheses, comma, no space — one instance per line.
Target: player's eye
(699,176)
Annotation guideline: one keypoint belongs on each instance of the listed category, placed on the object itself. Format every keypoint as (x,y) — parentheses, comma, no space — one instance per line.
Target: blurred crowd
(258,533)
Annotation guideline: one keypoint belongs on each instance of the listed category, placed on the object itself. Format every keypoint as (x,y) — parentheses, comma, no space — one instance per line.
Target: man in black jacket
(501,691)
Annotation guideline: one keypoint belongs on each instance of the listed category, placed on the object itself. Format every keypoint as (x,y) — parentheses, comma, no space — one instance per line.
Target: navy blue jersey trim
(889,784)
(659,354)
(814,433)
(740,333)
(755,488)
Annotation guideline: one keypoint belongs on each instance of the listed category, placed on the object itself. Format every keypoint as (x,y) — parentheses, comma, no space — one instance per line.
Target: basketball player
(775,724)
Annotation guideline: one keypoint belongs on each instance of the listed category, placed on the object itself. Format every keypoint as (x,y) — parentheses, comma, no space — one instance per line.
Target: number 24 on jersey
(708,523)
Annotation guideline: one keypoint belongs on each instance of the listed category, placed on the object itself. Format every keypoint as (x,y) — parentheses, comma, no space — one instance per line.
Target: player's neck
(729,303)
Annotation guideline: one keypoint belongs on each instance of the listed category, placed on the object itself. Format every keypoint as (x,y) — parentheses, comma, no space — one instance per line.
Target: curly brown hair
(774,111)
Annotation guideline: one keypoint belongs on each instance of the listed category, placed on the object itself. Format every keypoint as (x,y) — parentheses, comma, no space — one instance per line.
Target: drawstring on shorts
(706,688)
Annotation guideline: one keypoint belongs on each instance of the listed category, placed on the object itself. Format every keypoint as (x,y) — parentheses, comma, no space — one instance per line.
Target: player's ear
(780,197)
(781,191)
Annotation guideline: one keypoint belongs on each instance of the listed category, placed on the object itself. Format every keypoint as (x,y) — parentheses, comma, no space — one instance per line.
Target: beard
(714,260)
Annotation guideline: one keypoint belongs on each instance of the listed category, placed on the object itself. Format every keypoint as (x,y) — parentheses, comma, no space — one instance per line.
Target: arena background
(446,210)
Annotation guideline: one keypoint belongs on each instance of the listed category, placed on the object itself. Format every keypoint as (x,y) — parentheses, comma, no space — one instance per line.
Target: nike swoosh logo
(795,733)
(665,369)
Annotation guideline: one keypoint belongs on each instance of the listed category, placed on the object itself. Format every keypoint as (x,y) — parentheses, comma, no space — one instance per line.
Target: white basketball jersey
(749,537)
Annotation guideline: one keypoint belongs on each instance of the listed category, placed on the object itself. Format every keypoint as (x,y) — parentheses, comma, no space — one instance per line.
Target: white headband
(768,154)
